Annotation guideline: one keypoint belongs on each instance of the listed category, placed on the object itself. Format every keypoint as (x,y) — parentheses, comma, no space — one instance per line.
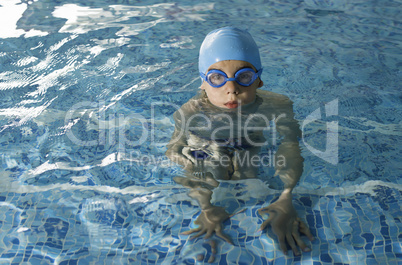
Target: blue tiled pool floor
(76,187)
(87,225)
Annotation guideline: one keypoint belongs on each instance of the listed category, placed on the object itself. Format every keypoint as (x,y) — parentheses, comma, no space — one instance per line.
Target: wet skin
(283,218)
(231,95)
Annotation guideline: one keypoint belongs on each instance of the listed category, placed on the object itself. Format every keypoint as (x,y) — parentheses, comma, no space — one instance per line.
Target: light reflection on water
(116,60)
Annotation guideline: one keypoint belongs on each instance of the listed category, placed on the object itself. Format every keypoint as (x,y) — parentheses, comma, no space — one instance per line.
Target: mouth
(232,104)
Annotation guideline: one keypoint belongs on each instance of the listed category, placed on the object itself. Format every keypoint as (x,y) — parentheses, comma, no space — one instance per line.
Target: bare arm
(289,166)
(178,150)
(211,217)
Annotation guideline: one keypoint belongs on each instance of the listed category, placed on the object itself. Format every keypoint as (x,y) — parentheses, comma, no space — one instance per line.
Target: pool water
(87,93)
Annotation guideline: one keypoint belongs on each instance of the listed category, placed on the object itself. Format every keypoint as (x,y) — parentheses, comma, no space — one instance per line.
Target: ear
(202,85)
(260,84)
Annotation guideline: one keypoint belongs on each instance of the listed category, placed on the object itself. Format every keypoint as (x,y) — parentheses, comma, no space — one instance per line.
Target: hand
(210,221)
(286,225)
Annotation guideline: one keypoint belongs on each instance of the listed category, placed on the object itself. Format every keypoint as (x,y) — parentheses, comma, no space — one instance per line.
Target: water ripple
(84,19)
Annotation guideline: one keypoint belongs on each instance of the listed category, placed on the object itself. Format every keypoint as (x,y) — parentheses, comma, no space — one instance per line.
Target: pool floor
(84,225)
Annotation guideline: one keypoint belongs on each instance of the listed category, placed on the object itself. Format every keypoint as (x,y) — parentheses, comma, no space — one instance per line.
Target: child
(219,134)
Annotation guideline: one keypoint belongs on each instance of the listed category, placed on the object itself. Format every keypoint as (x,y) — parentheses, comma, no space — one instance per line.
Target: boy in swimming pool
(219,134)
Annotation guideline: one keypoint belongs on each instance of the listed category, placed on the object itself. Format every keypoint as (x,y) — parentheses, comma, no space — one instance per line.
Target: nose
(231,87)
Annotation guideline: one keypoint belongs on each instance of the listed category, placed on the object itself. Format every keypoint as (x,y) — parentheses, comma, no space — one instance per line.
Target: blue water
(87,93)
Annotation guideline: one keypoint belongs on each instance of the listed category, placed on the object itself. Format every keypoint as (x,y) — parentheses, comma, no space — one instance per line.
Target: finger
(296,236)
(305,230)
(292,244)
(191,231)
(213,244)
(219,233)
(224,237)
(263,210)
(282,244)
(301,244)
(203,231)
(266,222)
(243,210)
(209,234)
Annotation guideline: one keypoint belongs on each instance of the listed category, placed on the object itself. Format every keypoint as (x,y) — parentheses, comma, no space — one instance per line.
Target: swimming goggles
(218,78)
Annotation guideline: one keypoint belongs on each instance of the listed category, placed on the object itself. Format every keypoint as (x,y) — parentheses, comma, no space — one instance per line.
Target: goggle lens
(244,77)
(216,79)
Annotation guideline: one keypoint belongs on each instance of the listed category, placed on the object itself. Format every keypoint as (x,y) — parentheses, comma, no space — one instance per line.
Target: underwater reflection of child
(219,134)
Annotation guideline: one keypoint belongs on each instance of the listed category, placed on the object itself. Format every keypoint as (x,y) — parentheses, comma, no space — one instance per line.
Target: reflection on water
(119,58)
(84,19)
(39,18)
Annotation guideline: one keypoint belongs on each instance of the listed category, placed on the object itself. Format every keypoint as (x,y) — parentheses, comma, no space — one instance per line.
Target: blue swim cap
(228,43)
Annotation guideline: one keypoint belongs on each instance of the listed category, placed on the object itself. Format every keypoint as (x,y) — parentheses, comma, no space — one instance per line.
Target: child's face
(231,95)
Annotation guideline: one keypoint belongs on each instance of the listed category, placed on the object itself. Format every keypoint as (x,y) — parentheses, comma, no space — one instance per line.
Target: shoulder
(271,95)
(274,98)
(189,108)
